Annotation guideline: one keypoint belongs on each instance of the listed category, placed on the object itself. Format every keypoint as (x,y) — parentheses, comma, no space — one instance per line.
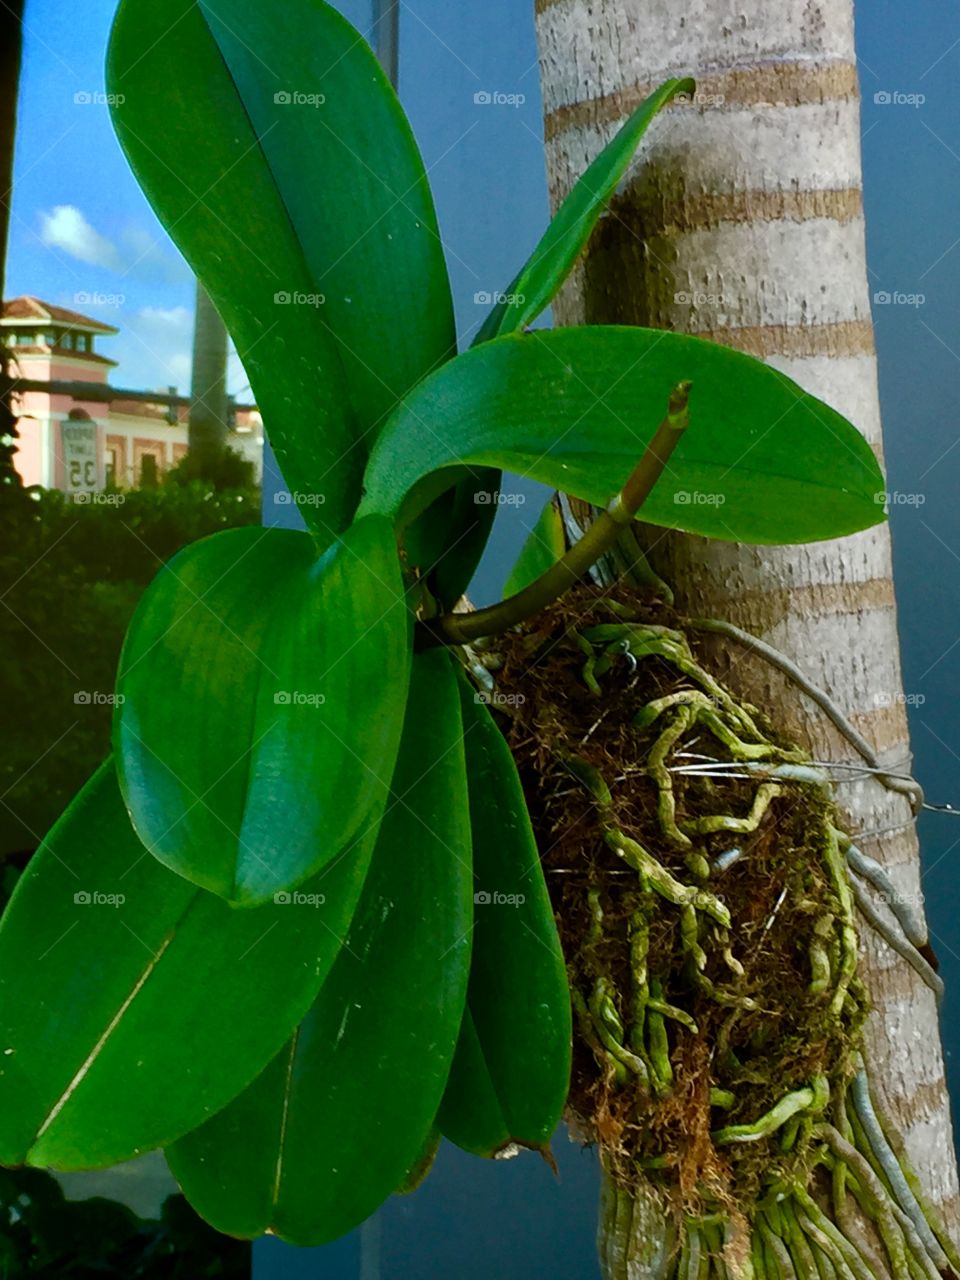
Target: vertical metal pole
(386,36)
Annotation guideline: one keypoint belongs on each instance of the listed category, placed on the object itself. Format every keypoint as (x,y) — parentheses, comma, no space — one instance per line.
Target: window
(149,472)
(110,468)
(83,342)
(66,341)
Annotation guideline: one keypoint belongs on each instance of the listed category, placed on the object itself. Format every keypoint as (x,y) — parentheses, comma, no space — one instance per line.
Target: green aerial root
(708,904)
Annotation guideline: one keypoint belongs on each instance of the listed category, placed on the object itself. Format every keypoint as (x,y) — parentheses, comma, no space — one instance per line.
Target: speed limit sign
(79,440)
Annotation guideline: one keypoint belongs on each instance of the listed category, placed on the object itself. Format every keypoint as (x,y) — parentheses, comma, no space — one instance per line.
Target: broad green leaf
(133,1004)
(544,546)
(471,1115)
(346,163)
(540,278)
(511,1072)
(339,1118)
(761,462)
(261,698)
(533,289)
(195,153)
(418,1172)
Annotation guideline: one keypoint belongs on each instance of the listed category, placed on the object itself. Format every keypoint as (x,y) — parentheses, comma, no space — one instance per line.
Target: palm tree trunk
(208,396)
(743,223)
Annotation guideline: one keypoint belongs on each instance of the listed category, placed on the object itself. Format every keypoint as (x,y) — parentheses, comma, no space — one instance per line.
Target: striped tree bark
(743,222)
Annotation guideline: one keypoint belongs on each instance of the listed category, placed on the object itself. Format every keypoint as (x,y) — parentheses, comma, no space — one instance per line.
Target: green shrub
(70,576)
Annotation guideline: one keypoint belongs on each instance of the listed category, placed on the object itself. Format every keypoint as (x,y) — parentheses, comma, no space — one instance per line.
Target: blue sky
(80,226)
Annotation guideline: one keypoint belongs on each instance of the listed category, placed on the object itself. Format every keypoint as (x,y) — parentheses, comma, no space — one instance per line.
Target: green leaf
(544,546)
(194,152)
(418,1172)
(471,1114)
(512,1069)
(761,462)
(261,698)
(347,165)
(132,1004)
(339,1118)
(540,278)
(532,289)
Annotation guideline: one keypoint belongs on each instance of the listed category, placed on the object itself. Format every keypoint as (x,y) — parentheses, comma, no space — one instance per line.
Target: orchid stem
(602,535)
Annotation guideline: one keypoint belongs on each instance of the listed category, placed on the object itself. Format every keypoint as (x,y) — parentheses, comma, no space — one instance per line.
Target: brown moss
(775,892)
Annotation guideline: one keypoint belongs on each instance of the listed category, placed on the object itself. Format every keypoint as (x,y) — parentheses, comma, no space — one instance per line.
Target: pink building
(78,433)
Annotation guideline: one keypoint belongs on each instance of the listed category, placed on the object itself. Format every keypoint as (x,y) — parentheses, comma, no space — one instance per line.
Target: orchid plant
(297,927)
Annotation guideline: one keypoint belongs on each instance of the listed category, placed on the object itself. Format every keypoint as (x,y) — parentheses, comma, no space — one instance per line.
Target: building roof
(143,409)
(62,353)
(30,309)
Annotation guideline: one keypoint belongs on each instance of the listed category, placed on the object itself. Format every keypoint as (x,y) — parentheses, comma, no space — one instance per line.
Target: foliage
(70,577)
(263,804)
(223,469)
(733,475)
(282,751)
(45,1235)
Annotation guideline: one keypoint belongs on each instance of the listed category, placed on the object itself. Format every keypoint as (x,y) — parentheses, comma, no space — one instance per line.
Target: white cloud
(179,366)
(153,348)
(66,228)
(166,319)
